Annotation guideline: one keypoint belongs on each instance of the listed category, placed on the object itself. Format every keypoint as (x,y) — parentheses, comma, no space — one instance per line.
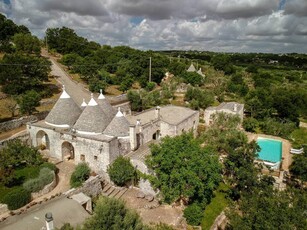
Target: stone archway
(68,151)
(156,135)
(42,140)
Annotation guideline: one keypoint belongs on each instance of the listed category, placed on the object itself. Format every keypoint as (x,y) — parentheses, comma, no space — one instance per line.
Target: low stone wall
(3,208)
(23,136)
(118,99)
(48,188)
(16,123)
(146,188)
(91,187)
(220,222)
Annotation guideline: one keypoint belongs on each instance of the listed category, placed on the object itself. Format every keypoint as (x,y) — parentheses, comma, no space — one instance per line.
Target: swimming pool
(271,150)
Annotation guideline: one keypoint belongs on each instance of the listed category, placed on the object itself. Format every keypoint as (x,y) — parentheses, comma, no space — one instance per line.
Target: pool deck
(286,146)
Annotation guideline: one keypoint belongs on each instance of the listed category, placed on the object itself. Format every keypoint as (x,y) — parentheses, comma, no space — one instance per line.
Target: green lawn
(217,205)
(299,137)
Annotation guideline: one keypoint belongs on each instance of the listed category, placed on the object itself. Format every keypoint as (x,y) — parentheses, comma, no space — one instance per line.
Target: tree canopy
(121,171)
(183,169)
(111,214)
(28,101)
(26,43)
(268,208)
(7,30)
(298,167)
(20,73)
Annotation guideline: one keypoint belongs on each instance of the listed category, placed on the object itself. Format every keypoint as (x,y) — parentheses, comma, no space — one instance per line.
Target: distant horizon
(233,26)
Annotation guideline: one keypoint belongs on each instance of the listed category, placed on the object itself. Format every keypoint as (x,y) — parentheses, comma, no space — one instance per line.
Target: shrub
(150,86)
(33,185)
(193,214)
(45,177)
(66,226)
(49,166)
(250,124)
(121,171)
(111,213)
(81,174)
(17,198)
(281,128)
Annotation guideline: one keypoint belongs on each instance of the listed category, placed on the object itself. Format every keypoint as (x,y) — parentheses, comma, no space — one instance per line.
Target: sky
(274,26)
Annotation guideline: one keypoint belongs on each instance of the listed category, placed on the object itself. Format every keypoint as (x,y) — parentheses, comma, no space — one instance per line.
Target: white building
(97,134)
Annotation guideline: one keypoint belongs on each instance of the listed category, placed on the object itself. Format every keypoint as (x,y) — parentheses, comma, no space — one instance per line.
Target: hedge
(45,177)
(17,198)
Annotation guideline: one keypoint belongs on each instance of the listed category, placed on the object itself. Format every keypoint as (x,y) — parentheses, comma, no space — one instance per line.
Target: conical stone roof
(191,68)
(106,106)
(64,113)
(200,72)
(119,126)
(92,120)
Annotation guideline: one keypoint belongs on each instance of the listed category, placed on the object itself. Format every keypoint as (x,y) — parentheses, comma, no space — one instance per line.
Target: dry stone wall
(48,188)
(16,123)
(92,187)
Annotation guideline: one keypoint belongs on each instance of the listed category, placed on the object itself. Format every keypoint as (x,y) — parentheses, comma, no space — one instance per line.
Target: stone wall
(149,129)
(16,123)
(220,222)
(118,99)
(3,208)
(91,187)
(48,188)
(146,188)
(190,123)
(24,137)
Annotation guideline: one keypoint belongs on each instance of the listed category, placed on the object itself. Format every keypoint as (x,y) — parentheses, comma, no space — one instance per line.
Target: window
(82,157)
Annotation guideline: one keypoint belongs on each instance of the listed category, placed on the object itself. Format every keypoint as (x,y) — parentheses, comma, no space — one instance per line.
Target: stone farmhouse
(97,134)
(226,107)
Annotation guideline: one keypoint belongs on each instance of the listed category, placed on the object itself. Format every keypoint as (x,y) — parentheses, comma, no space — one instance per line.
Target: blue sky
(221,25)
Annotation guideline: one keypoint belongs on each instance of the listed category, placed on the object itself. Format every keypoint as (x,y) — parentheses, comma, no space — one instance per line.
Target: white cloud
(220,25)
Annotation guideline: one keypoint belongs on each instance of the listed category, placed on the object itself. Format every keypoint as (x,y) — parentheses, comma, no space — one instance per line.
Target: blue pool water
(271,150)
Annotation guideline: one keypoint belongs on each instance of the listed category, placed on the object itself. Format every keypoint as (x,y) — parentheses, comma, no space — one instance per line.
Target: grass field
(4,111)
(113,90)
(299,137)
(217,205)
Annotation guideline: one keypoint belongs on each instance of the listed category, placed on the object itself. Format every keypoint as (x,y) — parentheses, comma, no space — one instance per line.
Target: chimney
(133,140)
(235,107)
(138,126)
(49,221)
(157,112)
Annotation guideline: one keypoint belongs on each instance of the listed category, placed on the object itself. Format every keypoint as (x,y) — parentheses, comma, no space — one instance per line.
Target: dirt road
(74,89)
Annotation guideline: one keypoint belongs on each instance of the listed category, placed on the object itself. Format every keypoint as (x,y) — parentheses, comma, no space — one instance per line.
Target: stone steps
(106,188)
(121,193)
(116,191)
(112,191)
(108,193)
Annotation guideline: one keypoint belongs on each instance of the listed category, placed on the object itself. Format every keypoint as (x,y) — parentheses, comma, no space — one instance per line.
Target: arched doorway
(42,140)
(68,151)
(156,135)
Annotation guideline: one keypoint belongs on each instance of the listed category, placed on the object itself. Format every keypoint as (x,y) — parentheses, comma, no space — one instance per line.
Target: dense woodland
(273,88)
